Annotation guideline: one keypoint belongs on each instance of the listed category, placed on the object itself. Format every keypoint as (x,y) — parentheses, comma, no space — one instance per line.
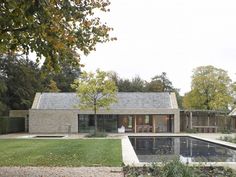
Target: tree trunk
(95,119)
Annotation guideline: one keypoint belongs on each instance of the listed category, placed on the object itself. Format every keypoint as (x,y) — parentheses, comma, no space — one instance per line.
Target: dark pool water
(158,149)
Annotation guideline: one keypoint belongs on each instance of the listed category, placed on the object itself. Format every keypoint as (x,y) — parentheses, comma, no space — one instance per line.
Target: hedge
(12,125)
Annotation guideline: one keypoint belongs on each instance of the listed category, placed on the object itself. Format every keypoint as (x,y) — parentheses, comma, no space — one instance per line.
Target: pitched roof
(233,113)
(126,100)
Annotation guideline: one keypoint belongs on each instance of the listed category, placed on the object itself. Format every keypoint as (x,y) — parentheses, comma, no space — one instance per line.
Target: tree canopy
(211,89)
(95,90)
(56,30)
(159,83)
(21,78)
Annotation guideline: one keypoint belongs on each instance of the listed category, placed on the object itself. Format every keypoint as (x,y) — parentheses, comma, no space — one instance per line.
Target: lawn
(80,152)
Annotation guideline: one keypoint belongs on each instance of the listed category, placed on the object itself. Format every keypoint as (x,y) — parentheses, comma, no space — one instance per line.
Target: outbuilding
(136,112)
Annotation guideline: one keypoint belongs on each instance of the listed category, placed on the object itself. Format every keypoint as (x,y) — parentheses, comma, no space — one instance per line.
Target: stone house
(137,112)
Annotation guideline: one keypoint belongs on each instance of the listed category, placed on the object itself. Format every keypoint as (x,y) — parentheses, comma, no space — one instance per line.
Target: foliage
(225,130)
(211,89)
(231,139)
(3,89)
(53,87)
(97,135)
(63,78)
(188,130)
(95,90)
(56,30)
(136,84)
(176,169)
(22,80)
(160,83)
(63,152)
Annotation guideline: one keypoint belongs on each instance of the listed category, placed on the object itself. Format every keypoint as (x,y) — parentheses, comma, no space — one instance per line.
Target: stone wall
(53,121)
(57,121)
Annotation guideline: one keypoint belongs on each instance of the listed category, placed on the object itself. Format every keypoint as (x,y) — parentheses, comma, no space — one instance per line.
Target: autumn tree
(53,87)
(211,89)
(95,91)
(55,30)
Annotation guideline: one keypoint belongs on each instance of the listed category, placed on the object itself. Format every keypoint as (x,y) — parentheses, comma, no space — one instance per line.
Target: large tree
(160,83)
(62,78)
(55,30)
(211,89)
(21,79)
(95,90)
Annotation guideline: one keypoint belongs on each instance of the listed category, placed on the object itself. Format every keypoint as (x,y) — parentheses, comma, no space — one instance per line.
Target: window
(130,121)
(91,121)
(147,119)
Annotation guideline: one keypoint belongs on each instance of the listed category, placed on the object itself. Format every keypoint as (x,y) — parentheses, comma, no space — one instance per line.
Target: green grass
(86,152)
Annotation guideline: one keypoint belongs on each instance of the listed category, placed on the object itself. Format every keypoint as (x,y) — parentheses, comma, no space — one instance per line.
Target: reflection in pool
(157,149)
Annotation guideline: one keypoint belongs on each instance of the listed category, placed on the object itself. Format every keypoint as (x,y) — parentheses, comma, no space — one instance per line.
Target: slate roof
(126,100)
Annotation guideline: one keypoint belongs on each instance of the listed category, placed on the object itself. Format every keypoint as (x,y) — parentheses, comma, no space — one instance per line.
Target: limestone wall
(52,121)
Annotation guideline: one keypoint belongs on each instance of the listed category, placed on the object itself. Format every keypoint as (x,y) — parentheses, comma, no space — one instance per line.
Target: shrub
(176,169)
(225,131)
(98,135)
(191,130)
(228,139)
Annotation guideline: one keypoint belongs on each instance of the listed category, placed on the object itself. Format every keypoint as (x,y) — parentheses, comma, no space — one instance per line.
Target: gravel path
(61,172)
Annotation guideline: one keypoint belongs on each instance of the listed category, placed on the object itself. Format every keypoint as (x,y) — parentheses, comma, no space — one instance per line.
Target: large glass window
(127,121)
(86,123)
(105,123)
(164,123)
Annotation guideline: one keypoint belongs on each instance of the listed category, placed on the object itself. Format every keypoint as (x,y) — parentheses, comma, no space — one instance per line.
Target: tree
(53,87)
(3,89)
(95,90)
(160,83)
(62,78)
(136,84)
(211,89)
(21,79)
(56,30)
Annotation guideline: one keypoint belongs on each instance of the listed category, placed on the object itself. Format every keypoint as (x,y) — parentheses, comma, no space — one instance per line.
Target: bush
(225,131)
(228,139)
(170,169)
(12,125)
(191,130)
(3,125)
(177,169)
(98,135)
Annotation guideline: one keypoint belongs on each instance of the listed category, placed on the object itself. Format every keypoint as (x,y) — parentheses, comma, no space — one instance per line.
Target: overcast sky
(172,36)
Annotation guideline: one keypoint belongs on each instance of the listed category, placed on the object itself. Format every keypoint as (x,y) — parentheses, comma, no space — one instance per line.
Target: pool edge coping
(135,162)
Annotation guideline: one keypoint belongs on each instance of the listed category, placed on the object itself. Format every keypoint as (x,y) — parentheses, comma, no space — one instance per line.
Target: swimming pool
(158,149)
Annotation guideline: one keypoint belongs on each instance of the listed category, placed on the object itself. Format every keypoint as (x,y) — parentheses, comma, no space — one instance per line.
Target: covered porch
(147,123)
(150,123)
(204,121)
